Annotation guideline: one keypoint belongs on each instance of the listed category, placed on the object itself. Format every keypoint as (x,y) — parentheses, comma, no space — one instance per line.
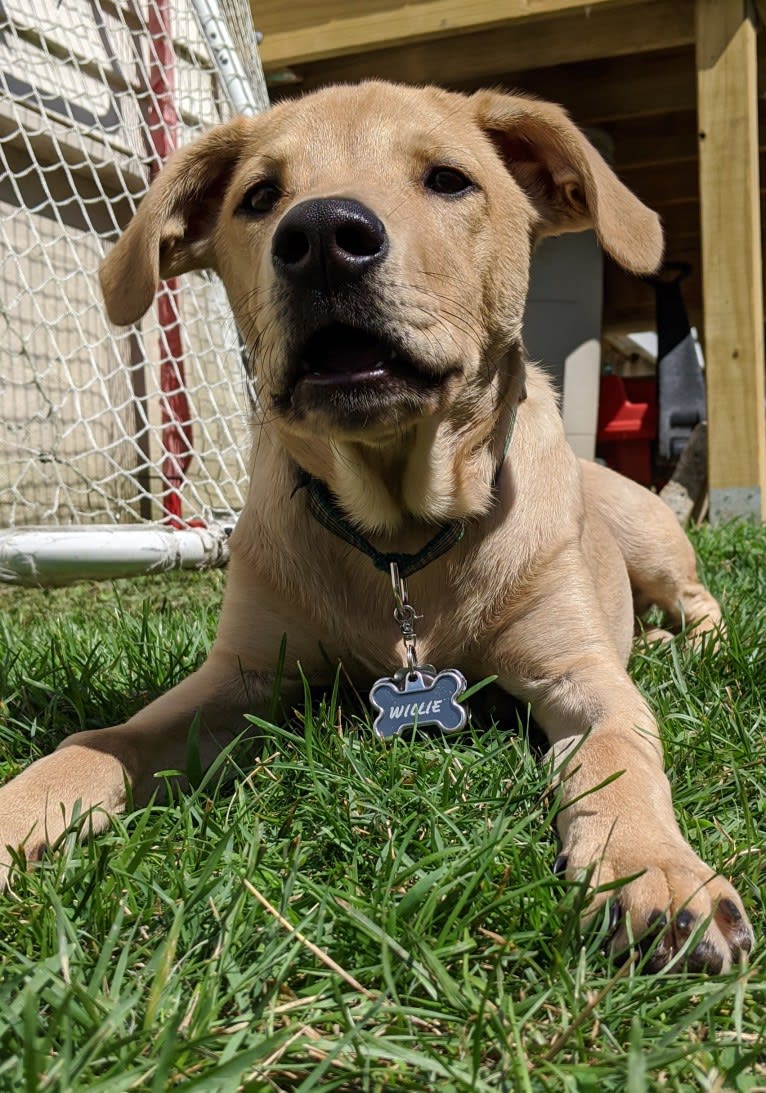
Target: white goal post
(118,430)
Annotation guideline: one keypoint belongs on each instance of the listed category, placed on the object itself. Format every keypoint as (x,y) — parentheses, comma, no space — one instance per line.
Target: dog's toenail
(705,958)
(657,961)
(657,919)
(560,864)
(738,953)
(742,939)
(729,908)
(615,914)
(685,921)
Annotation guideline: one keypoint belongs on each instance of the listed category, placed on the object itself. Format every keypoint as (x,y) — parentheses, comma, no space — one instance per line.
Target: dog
(375,243)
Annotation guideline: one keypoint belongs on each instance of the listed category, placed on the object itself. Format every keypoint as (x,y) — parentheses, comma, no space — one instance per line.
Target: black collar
(323,506)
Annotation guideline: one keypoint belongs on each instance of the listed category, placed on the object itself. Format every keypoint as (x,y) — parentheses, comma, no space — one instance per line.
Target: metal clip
(404,613)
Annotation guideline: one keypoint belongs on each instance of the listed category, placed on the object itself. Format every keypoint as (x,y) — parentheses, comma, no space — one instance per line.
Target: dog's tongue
(341,349)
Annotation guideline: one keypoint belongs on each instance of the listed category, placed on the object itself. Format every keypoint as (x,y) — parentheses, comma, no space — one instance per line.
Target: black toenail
(560,864)
(730,909)
(615,914)
(657,960)
(685,921)
(658,919)
(654,946)
(705,958)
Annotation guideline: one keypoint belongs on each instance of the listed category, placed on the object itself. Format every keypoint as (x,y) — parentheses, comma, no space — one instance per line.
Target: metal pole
(43,556)
(247,94)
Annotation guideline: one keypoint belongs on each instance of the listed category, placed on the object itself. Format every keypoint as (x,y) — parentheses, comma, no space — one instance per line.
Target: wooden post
(731,257)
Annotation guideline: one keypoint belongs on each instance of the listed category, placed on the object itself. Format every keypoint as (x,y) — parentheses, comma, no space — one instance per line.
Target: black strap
(324,508)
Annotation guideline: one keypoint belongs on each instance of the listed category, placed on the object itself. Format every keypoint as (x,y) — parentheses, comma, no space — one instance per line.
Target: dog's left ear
(567,181)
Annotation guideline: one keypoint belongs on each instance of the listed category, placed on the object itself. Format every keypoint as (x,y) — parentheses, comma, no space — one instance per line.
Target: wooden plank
(649,142)
(397,25)
(578,36)
(667,184)
(602,92)
(273,17)
(681,221)
(731,257)
(669,138)
(607,90)
(627,304)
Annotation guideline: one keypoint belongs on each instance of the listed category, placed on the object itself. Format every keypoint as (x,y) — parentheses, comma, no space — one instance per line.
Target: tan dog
(375,244)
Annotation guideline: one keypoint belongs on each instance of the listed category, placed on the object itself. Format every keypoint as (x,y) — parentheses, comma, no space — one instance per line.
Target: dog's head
(374,241)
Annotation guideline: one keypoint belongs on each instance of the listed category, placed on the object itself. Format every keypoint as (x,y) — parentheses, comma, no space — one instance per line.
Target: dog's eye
(261,199)
(448,180)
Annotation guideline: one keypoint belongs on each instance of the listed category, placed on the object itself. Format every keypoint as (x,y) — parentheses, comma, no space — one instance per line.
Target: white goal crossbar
(111,439)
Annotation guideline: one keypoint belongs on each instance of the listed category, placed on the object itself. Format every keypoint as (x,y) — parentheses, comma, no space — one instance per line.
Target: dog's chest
(369,639)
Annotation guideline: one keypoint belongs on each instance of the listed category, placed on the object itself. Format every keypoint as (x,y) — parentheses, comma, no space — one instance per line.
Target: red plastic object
(627,425)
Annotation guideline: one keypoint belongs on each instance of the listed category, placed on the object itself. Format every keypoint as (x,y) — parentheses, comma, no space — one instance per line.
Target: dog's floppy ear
(567,181)
(171,232)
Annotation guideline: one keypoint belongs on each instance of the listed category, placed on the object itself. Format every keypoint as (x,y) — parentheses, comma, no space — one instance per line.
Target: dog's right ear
(172,230)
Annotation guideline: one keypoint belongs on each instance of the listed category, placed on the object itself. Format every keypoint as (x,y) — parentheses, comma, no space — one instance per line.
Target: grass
(358,916)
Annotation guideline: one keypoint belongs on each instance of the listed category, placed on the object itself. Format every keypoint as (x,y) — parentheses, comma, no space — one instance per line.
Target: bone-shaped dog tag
(416,699)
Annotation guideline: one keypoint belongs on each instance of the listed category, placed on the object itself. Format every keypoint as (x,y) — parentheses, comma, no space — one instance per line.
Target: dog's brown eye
(260,199)
(448,180)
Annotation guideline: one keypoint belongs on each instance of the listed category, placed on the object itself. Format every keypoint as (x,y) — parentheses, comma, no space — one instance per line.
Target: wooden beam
(649,142)
(681,220)
(731,257)
(578,36)
(667,184)
(396,25)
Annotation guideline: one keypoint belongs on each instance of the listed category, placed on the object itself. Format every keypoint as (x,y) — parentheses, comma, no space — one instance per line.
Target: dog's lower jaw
(423,475)
(438,468)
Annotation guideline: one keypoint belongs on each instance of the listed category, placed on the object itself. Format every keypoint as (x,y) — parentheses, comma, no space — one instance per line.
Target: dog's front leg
(93,773)
(616,815)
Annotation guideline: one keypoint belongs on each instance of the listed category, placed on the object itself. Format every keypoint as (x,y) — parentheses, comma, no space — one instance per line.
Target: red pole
(177,434)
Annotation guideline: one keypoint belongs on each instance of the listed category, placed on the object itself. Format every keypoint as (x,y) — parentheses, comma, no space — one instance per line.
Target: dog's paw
(18,848)
(72,786)
(674,910)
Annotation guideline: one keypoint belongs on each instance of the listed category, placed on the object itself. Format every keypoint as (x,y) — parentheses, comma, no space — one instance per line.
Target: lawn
(355,915)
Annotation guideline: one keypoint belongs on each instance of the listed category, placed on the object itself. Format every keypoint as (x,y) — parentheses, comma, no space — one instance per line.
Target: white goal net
(102,426)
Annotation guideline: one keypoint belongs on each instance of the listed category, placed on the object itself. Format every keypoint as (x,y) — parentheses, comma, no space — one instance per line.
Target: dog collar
(324,508)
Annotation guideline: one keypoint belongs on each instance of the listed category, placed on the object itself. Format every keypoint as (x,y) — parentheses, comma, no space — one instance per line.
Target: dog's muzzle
(348,361)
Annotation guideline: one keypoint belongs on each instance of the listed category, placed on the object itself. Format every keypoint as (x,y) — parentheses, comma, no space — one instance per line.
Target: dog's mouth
(355,378)
(341,356)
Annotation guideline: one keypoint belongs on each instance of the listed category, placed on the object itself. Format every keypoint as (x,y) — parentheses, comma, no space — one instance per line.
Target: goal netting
(99,425)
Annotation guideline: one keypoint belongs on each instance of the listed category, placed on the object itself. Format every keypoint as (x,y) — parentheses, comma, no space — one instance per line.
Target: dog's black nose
(326,242)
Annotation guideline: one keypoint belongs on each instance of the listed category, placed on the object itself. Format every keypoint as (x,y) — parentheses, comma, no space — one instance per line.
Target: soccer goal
(105,432)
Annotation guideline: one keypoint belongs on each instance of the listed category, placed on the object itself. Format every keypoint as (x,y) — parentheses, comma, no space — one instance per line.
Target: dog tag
(413,699)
